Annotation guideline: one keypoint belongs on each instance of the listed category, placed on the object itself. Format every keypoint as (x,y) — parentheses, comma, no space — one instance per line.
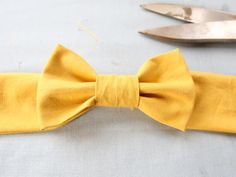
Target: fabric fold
(167,91)
(66,89)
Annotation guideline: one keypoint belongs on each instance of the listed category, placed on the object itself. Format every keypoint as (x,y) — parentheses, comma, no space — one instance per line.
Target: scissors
(204,25)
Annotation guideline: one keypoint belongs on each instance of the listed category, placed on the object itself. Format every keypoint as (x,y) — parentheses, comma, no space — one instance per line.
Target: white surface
(106,141)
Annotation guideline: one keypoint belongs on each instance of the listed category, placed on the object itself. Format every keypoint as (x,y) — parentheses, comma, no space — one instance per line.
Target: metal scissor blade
(223,31)
(189,13)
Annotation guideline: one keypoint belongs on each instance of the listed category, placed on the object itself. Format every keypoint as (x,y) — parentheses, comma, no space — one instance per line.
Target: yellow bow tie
(164,89)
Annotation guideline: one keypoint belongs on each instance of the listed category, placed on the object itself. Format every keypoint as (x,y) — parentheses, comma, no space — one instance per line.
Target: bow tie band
(163,89)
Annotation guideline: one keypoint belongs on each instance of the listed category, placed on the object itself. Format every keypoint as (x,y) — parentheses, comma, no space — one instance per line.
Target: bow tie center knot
(117,90)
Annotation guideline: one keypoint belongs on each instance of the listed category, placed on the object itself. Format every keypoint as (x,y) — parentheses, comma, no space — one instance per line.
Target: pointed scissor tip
(142,32)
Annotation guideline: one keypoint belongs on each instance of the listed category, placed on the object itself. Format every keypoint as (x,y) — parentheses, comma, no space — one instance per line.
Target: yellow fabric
(121,91)
(164,89)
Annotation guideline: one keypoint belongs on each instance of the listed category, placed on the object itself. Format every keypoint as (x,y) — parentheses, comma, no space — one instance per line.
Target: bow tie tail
(215,103)
(18,103)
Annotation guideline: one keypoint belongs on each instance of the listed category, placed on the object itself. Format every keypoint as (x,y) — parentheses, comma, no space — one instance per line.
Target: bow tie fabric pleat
(164,89)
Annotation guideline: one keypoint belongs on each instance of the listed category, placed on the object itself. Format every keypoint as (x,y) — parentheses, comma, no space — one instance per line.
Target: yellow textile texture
(164,89)
(121,91)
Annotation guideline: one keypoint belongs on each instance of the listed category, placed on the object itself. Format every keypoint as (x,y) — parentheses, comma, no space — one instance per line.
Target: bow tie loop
(117,90)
